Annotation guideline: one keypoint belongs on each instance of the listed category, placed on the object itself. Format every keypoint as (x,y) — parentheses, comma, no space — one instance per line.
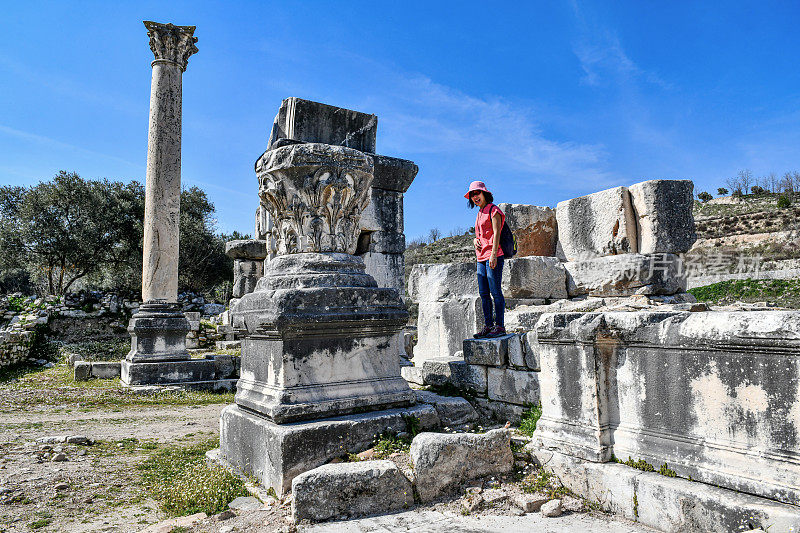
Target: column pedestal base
(276,453)
(168,372)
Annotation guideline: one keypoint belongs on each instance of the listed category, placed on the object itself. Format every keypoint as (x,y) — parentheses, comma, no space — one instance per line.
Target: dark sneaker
(497,331)
(482,334)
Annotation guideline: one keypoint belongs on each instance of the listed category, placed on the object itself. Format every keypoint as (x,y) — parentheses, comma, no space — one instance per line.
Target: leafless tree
(746,178)
(434,235)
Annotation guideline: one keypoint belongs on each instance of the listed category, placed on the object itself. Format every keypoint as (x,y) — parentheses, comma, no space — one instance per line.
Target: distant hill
(752,224)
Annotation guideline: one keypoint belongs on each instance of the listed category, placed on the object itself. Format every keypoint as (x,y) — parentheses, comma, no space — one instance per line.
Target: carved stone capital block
(171,43)
(315,194)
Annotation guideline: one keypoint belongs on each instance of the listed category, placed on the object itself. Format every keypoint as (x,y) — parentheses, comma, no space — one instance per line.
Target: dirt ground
(97,487)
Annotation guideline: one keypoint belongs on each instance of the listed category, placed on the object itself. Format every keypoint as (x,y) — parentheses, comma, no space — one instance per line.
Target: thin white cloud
(419,115)
(54,143)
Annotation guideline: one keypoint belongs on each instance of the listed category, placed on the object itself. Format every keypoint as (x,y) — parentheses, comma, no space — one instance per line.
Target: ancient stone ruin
(628,367)
(320,368)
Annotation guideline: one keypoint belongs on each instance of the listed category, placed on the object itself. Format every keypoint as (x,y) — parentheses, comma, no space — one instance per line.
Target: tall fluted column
(172,46)
(158,330)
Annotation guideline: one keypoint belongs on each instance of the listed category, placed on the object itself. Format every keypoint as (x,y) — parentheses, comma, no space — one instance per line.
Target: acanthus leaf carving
(171,42)
(316,194)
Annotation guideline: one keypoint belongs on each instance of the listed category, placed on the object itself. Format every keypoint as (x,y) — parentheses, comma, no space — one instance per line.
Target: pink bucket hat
(476,186)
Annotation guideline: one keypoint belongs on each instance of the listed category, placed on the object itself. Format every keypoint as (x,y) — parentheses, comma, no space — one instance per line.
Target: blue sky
(545,101)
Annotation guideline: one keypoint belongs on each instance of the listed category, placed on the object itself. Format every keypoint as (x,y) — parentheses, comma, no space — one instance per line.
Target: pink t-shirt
(485,233)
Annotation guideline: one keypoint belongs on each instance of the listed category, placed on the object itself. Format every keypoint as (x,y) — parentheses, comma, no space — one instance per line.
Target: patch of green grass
(413,425)
(665,470)
(183,483)
(529,419)
(389,444)
(544,482)
(641,464)
(38,524)
(108,350)
(24,387)
(783,292)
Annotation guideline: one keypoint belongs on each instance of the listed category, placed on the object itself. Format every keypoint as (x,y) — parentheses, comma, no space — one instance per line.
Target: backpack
(508,241)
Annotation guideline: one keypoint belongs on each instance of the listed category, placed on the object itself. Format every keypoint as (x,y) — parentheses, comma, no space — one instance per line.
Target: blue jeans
(489,281)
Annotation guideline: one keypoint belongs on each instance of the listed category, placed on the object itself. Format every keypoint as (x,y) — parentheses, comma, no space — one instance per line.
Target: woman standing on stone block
(488,225)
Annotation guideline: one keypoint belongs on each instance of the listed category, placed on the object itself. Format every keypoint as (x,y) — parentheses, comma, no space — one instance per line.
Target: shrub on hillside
(704,196)
(784,202)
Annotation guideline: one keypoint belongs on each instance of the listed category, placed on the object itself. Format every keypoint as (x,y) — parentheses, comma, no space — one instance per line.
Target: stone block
(534,277)
(626,275)
(531,351)
(387,269)
(453,371)
(665,503)
(82,370)
(245,503)
(607,377)
(412,374)
(444,461)
(500,411)
(251,249)
(516,351)
(601,224)
(386,242)
(453,411)
(664,215)
(470,378)
(520,387)
(350,489)
(437,282)
(106,369)
(194,320)
(275,454)
(226,366)
(489,352)
(393,174)
(534,227)
(313,122)
(443,326)
(167,372)
(384,211)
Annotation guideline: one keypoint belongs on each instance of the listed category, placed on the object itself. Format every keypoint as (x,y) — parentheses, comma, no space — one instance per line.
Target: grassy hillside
(781,292)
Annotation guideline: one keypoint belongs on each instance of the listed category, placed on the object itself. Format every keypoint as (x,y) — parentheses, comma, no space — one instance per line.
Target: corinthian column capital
(171,43)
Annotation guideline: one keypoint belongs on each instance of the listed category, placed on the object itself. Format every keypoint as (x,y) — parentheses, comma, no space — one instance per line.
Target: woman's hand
(477,243)
(493,261)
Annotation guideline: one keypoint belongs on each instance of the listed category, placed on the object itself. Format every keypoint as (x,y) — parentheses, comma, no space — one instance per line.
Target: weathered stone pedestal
(318,345)
(158,353)
(320,375)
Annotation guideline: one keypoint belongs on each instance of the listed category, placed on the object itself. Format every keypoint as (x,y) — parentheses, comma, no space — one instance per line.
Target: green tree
(61,230)
(704,196)
(722,191)
(71,229)
(202,263)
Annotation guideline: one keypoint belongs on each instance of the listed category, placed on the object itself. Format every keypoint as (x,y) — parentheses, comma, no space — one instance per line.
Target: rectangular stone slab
(598,224)
(301,378)
(520,387)
(387,269)
(626,275)
(168,372)
(313,122)
(715,395)
(664,215)
(534,227)
(275,454)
